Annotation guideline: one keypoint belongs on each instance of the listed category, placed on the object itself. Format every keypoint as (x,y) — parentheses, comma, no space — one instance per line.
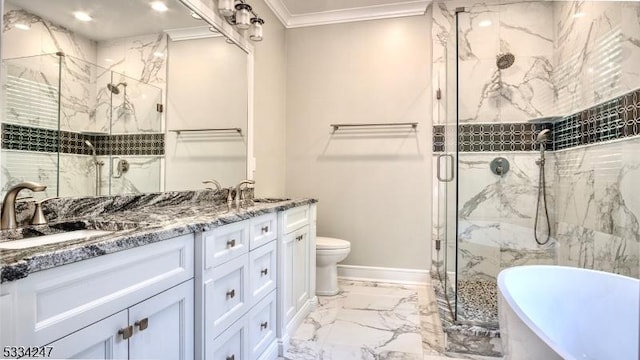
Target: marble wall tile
(485,196)
(596,45)
(77,175)
(598,206)
(44,37)
(143,175)
(141,63)
(42,168)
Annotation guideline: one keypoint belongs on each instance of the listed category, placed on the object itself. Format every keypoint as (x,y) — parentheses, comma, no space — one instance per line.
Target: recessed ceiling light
(196,16)
(159,6)
(22,26)
(108,60)
(82,16)
(158,54)
(485,23)
(579,14)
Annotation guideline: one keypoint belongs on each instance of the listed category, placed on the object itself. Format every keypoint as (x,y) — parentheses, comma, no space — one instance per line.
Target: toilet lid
(326,243)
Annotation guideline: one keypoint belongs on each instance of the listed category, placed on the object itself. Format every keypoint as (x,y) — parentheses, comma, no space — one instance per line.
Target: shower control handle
(499,166)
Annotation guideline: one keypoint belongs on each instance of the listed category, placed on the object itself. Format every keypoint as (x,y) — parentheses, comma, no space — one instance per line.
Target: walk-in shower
(504,72)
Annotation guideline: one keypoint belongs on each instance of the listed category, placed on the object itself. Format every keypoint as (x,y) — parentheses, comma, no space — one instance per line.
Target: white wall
(207,88)
(374,186)
(270,105)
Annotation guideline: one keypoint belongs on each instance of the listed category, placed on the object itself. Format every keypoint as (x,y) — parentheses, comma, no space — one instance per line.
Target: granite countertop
(131,226)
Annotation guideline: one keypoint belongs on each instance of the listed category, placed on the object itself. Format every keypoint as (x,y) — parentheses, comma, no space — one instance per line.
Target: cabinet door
(163,325)
(286,271)
(301,267)
(96,341)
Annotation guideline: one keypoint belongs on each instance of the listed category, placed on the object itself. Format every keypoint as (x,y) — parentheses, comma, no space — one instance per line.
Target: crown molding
(198,32)
(399,9)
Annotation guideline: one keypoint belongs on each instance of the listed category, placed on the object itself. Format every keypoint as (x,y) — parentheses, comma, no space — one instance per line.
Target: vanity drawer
(262,271)
(230,345)
(225,243)
(294,219)
(262,326)
(226,295)
(263,230)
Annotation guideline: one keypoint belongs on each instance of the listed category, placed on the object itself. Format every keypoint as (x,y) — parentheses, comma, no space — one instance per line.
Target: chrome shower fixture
(505,60)
(543,136)
(114,88)
(97,163)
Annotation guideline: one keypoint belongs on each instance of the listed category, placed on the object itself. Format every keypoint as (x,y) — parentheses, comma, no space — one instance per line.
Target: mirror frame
(213,19)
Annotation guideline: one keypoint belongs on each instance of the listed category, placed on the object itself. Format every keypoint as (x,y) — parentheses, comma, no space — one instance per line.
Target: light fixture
(225,7)
(22,26)
(82,16)
(243,16)
(159,6)
(213,30)
(579,14)
(158,54)
(255,31)
(195,16)
(240,14)
(485,23)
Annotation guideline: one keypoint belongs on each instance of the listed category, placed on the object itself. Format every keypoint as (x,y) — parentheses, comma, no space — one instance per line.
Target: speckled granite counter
(135,220)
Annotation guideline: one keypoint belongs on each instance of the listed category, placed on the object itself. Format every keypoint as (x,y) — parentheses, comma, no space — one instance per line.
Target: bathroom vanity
(171,280)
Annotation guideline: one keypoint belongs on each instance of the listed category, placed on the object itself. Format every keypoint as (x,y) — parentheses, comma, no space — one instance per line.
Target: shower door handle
(448,157)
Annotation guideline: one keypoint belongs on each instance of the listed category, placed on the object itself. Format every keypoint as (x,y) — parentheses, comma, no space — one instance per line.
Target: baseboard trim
(283,345)
(382,274)
(271,352)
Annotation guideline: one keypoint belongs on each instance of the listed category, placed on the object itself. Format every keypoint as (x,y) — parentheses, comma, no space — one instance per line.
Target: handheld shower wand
(97,163)
(541,139)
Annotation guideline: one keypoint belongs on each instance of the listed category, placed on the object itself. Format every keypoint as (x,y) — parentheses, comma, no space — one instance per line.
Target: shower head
(114,88)
(504,61)
(543,136)
(93,149)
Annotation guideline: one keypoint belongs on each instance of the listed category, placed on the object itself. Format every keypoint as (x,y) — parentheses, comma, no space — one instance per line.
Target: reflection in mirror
(211,117)
(74,88)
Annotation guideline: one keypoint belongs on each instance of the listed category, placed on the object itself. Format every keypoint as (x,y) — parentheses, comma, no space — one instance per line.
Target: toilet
(329,252)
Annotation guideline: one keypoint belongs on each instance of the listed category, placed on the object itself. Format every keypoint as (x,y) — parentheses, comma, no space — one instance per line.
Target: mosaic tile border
(27,138)
(614,119)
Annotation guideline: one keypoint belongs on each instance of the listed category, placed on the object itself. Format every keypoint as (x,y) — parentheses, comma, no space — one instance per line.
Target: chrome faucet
(239,191)
(8,219)
(214,182)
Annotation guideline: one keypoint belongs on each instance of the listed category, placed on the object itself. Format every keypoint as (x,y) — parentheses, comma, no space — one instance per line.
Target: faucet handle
(38,217)
(214,182)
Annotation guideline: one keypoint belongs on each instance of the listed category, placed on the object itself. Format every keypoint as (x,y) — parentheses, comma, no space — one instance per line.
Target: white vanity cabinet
(135,304)
(296,269)
(236,281)
(162,329)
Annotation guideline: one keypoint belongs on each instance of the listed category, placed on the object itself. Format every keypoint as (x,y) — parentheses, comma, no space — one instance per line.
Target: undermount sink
(51,239)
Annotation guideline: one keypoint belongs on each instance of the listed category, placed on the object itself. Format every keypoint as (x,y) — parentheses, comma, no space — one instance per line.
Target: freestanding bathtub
(555,312)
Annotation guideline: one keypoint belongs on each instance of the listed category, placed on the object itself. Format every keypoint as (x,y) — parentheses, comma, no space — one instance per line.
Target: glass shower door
(446,169)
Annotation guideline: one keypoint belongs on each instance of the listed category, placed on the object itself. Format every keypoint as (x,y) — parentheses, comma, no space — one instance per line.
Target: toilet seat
(326,243)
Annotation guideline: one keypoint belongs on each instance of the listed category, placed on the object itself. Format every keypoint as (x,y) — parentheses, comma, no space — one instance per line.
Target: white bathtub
(554,312)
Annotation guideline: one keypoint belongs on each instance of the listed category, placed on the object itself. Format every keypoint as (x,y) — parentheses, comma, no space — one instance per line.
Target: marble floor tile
(366,320)
(377,321)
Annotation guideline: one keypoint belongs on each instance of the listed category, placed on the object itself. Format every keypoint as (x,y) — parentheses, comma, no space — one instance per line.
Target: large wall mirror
(94,93)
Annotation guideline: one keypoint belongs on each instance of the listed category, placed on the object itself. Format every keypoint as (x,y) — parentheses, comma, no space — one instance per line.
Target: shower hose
(542,195)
